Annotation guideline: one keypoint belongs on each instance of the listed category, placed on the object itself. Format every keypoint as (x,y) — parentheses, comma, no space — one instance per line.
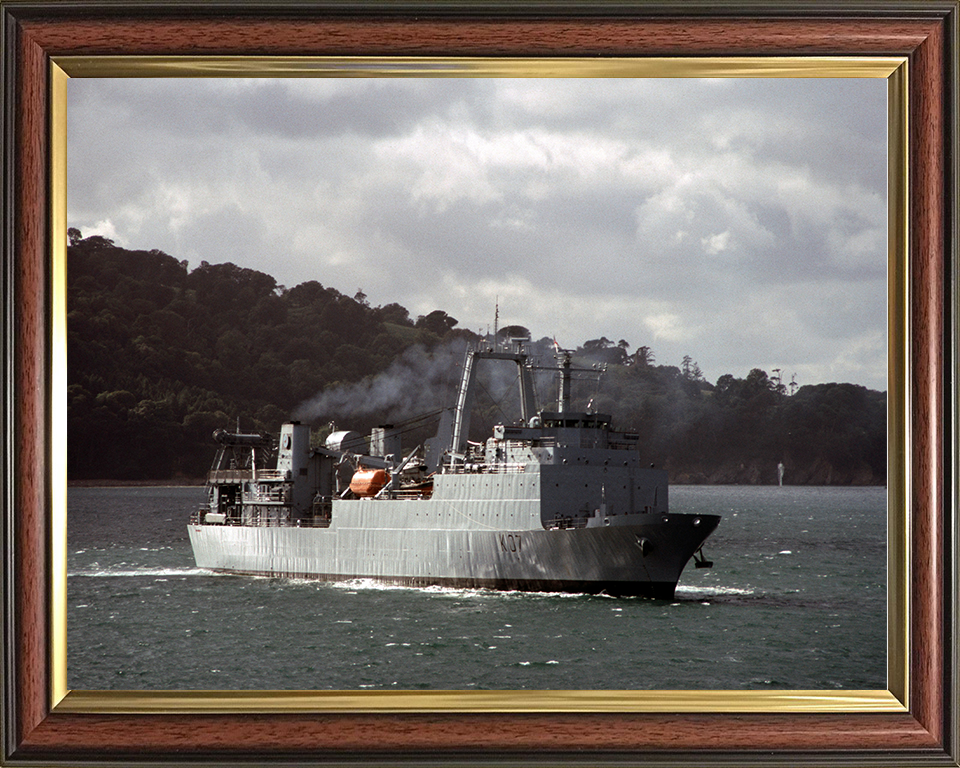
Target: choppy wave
(158,572)
(813,619)
(714,591)
(373,585)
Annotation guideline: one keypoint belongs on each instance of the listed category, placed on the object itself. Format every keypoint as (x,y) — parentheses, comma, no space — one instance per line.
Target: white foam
(703,592)
(158,572)
(436,589)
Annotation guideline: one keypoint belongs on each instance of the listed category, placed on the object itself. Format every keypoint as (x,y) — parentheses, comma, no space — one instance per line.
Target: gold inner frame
(894,699)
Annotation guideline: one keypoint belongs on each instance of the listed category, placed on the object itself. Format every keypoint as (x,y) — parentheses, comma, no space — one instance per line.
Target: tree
(227,285)
(594,345)
(306,293)
(690,370)
(514,332)
(96,241)
(394,313)
(758,383)
(602,350)
(643,357)
(438,322)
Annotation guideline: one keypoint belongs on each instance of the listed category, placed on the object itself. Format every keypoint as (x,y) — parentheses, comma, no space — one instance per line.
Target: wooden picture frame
(918,722)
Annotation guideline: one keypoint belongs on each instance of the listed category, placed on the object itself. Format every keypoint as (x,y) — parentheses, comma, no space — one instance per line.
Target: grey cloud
(579,187)
(279,108)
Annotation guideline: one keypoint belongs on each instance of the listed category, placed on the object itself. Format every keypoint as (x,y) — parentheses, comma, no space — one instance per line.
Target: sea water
(796,599)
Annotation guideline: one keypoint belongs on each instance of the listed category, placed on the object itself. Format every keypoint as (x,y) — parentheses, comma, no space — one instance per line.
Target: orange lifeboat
(368,482)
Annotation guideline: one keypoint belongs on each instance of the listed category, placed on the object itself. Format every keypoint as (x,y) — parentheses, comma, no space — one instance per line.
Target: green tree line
(159,356)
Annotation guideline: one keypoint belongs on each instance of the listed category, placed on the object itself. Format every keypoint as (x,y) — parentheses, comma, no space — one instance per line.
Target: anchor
(701,561)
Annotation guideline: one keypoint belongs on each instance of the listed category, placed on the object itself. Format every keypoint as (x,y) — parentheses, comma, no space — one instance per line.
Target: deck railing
(484,469)
(565,523)
(224,476)
(196,518)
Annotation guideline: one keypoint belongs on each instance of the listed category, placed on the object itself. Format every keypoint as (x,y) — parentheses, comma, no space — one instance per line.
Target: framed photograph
(45,45)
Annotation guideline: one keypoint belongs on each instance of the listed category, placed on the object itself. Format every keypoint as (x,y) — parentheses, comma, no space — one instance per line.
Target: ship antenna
(496,320)
(563,355)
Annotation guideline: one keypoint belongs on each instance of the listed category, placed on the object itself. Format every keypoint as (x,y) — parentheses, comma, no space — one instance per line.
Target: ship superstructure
(557,501)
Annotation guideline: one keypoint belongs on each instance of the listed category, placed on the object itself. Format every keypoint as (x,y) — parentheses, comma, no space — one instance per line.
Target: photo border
(891,69)
(42,721)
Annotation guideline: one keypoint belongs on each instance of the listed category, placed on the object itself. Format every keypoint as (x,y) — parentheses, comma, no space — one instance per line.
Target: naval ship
(555,502)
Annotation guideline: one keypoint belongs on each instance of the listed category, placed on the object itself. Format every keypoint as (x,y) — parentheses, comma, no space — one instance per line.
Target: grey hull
(639,555)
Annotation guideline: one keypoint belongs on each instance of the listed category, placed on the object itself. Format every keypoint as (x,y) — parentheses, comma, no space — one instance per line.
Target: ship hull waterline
(629,559)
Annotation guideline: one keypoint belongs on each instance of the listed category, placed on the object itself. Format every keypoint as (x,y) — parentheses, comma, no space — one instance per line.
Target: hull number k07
(510,542)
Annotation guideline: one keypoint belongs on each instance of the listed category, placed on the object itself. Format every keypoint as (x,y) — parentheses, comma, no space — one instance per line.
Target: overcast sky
(738,221)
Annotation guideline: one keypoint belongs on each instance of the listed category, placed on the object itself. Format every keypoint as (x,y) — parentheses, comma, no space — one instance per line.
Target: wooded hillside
(159,356)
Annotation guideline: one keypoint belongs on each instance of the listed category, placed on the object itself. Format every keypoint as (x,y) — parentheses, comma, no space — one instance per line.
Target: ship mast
(461,418)
(564,356)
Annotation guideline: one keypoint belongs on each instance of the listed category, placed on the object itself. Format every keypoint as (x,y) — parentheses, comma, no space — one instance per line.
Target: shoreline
(180,482)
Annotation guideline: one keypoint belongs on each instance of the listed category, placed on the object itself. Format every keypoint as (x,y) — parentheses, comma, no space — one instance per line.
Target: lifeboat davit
(368,482)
